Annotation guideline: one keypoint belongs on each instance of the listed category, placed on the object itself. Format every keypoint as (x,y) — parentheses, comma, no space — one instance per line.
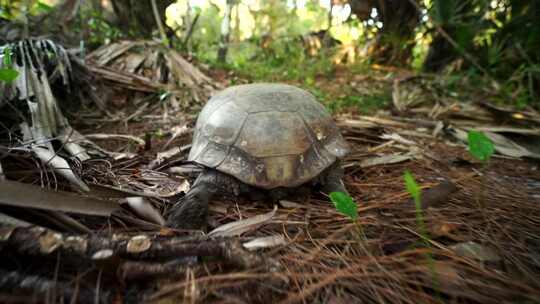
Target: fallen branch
(37,241)
(32,286)
(134,270)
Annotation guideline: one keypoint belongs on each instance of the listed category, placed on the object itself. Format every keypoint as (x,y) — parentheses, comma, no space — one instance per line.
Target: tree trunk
(399,18)
(225,33)
(135,17)
(440,53)
(445,14)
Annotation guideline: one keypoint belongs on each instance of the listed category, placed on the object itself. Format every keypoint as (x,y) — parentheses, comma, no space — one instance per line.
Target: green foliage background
(493,40)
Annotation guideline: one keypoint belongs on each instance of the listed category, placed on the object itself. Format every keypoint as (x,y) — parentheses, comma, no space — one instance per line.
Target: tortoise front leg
(191,212)
(333,180)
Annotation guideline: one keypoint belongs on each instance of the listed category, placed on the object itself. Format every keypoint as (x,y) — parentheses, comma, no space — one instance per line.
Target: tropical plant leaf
(480,146)
(43,8)
(344,204)
(444,11)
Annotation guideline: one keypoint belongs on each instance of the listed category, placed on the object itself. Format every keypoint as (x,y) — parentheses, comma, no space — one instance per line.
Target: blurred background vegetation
(489,44)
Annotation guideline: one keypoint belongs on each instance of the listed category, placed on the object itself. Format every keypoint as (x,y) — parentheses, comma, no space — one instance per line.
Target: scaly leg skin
(333,181)
(191,212)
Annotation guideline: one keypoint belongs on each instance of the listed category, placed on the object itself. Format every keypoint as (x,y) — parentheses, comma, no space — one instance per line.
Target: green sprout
(7,57)
(345,204)
(416,193)
(480,146)
(8,74)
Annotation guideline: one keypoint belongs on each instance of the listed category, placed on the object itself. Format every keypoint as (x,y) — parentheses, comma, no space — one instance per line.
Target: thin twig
(157,17)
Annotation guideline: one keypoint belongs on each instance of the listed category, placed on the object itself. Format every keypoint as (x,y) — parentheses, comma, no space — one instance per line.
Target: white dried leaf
(398,138)
(476,251)
(265,242)
(290,204)
(136,139)
(59,165)
(242,226)
(70,139)
(385,160)
(145,210)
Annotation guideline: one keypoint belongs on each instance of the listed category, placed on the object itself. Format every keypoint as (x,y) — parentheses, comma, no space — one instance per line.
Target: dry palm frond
(150,67)
(30,103)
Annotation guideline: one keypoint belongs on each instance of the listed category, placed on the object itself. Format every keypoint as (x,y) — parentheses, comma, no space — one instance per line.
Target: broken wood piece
(161,157)
(265,242)
(176,132)
(186,169)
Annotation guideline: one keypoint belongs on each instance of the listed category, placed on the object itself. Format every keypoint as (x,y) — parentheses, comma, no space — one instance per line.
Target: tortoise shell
(267,135)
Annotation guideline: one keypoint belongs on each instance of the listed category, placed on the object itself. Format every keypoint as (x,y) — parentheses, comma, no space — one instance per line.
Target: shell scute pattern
(273,134)
(267,135)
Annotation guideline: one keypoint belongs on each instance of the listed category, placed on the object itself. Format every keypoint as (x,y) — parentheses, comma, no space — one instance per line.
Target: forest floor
(474,239)
(482,222)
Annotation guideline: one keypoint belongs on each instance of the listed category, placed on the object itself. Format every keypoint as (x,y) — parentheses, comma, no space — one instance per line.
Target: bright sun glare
(342,31)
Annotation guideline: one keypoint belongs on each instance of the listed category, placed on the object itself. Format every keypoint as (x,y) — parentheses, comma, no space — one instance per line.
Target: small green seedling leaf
(412,186)
(480,146)
(344,204)
(7,57)
(415,191)
(8,75)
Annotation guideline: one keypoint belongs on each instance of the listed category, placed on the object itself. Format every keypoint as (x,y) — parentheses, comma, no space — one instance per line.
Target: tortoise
(264,139)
